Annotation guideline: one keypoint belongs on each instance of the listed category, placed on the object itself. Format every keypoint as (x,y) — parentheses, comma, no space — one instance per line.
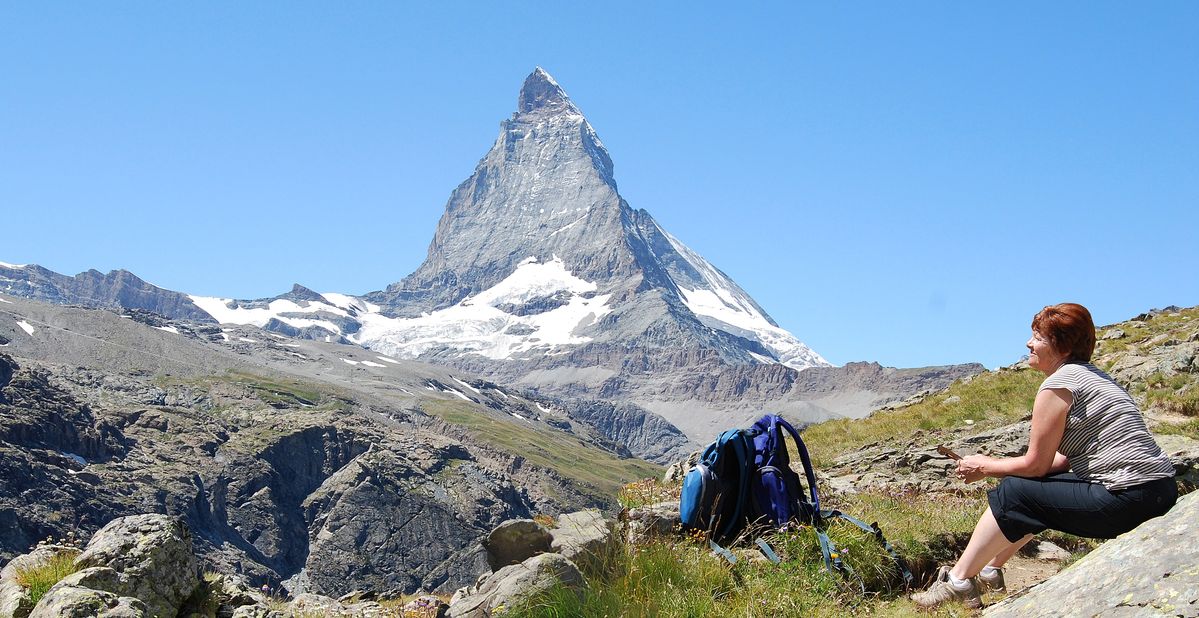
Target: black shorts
(1067,503)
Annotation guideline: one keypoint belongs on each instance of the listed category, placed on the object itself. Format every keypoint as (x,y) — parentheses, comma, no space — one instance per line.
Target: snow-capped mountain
(540,234)
(541,275)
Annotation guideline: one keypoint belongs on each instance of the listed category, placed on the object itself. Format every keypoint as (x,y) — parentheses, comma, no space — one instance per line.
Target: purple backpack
(777,493)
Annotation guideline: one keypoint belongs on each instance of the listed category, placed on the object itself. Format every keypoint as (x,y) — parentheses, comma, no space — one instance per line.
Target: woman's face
(1042,356)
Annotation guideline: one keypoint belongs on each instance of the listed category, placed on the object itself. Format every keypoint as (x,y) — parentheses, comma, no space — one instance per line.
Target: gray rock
(514,541)
(1184,454)
(1115,333)
(584,537)
(151,557)
(650,522)
(255,611)
(1150,571)
(515,583)
(1045,550)
(316,604)
(68,601)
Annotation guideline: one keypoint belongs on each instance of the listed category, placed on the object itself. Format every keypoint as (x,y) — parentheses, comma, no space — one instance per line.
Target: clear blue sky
(900,182)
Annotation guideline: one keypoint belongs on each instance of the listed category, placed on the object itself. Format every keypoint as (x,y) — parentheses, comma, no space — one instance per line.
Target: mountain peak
(540,91)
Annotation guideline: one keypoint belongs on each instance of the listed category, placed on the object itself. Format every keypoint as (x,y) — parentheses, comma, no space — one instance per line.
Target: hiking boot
(942,591)
(993,582)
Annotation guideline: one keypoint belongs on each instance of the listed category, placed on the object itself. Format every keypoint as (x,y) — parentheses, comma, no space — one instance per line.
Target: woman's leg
(1005,555)
(987,542)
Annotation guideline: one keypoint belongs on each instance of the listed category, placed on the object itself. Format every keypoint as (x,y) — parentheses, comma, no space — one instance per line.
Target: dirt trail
(1020,573)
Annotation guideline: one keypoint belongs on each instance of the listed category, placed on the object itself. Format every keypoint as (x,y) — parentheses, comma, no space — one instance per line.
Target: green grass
(559,451)
(39,578)
(989,400)
(679,577)
(1138,334)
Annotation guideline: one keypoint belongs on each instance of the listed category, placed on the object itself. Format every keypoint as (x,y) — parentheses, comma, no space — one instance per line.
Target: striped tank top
(1106,439)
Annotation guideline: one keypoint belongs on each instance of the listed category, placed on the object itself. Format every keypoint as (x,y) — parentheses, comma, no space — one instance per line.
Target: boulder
(514,541)
(583,537)
(14,598)
(255,611)
(66,600)
(151,557)
(1150,571)
(1184,454)
(653,521)
(515,583)
(308,603)
(1045,550)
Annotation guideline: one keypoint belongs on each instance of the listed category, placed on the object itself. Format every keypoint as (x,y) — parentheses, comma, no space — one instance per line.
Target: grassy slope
(679,577)
(559,451)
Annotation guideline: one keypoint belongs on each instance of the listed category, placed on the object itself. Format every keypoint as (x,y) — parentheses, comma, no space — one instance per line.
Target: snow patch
(29,330)
(73,457)
(7,265)
(388,360)
(347,302)
(169,329)
(349,362)
(476,325)
(458,393)
(227,311)
(372,364)
(7,302)
(225,336)
(519,416)
(247,340)
(466,385)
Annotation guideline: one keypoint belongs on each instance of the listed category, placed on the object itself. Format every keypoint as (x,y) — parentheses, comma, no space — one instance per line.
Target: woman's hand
(971,468)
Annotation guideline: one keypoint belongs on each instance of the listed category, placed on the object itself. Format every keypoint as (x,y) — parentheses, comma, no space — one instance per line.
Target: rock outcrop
(148,557)
(514,583)
(528,559)
(515,541)
(1150,571)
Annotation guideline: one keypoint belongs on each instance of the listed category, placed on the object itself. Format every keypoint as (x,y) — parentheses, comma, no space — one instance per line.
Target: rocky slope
(319,465)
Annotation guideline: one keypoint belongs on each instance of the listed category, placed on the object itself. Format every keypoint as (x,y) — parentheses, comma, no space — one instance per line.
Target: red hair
(1069,328)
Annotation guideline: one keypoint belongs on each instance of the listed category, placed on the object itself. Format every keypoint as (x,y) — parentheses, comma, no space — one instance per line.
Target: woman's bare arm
(1048,424)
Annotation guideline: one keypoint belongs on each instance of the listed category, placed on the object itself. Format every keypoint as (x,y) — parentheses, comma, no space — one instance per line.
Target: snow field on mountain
(720,299)
(220,310)
(29,330)
(477,325)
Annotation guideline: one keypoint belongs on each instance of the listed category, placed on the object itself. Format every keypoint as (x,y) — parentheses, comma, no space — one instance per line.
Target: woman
(1091,469)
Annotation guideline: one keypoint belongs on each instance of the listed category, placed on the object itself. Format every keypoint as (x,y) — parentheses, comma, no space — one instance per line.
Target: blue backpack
(744,480)
(716,489)
(777,491)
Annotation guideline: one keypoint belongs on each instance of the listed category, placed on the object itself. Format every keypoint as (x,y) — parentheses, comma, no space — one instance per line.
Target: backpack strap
(873,529)
(807,462)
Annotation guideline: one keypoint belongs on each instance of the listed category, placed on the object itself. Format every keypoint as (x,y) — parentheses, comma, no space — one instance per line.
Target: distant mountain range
(541,276)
